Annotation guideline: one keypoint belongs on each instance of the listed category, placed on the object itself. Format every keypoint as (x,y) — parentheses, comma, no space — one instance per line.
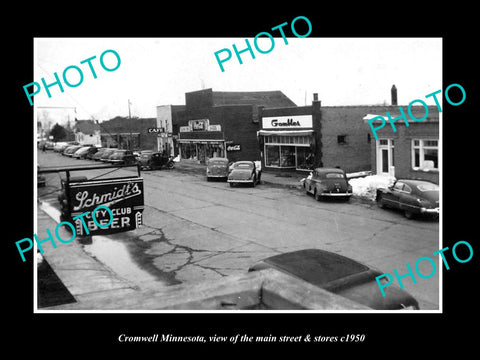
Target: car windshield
(318,267)
(243,166)
(428,187)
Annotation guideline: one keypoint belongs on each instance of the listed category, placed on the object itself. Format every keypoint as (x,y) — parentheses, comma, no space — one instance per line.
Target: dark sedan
(328,182)
(413,197)
(340,275)
(123,157)
(244,172)
(106,154)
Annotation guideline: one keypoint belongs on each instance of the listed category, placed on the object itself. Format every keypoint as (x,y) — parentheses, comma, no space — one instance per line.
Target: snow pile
(367,186)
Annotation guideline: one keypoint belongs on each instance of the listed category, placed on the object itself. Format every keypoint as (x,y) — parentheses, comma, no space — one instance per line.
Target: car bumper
(217,175)
(240,181)
(333,194)
(434,211)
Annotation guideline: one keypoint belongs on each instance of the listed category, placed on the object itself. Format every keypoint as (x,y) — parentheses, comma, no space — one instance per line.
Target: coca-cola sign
(124,198)
(233,147)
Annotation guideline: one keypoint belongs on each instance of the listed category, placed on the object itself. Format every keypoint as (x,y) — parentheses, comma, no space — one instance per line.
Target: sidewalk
(282,178)
(81,274)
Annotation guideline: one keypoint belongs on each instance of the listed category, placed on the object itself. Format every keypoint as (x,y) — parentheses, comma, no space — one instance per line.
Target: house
(87,132)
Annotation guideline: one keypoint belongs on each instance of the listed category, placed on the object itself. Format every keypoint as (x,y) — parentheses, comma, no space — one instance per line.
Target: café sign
(123,196)
(287,122)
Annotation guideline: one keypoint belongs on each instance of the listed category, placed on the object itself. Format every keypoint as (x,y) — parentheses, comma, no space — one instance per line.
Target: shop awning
(284,133)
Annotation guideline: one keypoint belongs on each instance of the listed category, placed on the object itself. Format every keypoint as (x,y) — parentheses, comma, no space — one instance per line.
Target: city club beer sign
(123,196)
(287,122)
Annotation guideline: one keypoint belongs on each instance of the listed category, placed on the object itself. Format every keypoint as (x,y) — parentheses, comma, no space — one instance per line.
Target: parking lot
(197,231)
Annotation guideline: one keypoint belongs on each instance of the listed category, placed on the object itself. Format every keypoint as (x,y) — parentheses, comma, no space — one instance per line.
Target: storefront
(200,141)
(288,142)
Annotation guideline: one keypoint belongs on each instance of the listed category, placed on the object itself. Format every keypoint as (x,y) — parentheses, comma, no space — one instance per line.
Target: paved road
(196,230)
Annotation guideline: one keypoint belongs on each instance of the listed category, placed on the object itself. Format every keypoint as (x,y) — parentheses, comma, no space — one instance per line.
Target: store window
(272,155)
(424,154)
(288,152)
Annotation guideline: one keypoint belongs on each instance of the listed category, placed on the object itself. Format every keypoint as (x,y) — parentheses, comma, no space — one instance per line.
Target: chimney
(394,95)
(315,103)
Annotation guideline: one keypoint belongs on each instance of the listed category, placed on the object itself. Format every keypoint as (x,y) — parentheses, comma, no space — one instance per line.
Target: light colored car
(217,168)
(245,172)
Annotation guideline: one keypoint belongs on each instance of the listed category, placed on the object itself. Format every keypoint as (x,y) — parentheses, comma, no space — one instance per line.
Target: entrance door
(385,165)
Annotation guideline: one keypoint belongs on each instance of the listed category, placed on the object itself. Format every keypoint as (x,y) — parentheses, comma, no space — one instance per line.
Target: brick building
(299,138)
(219,123)
(410,152)
(129,133)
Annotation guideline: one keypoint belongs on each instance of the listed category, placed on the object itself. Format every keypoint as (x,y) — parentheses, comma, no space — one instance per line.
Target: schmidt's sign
(287,122)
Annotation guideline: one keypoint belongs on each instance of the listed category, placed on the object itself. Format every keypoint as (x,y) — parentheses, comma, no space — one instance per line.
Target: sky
(159,71)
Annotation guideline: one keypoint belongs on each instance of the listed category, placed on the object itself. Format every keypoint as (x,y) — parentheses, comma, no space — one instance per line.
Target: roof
(268,99)
(418,112)
(86,126)
(316,266)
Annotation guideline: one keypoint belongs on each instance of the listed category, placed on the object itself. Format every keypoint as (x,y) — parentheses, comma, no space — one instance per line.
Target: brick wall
(346,139)
(403,150)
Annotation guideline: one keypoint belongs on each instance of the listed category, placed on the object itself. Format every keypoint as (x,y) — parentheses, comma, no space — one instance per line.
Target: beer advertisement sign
(123,197)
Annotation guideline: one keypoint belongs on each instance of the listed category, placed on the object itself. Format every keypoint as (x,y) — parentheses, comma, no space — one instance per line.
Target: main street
(196,230)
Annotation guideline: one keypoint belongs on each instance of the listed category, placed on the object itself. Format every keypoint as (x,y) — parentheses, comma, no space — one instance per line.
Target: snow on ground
(367,186)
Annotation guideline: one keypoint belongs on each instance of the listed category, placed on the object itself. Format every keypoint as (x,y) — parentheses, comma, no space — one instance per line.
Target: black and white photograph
(201,190)
(239,190)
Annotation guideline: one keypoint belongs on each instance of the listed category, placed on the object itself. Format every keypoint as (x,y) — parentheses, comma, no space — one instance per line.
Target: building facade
(304,137)
(222,124)
(412,151)
(87,132)
(129,133)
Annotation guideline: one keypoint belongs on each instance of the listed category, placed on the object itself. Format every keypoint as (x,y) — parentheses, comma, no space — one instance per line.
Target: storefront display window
(199,151)
(272,156)
(288,152)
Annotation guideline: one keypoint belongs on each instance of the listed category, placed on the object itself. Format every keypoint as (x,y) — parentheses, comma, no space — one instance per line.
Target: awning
(284,133)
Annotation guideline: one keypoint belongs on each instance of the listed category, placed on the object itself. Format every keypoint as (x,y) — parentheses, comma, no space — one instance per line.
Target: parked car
(328,182)
(123,157)
(245,172)
(414,197)
(98,155)
(154,160)
(80,151)
(340,275)
(85,152)
(106,154)
(69,150)
(217,168)
(60,146)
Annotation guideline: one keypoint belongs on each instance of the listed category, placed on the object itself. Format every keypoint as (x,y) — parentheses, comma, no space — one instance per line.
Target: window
(292,151)
(398,186)
(272,155)
(341,139)
(424,154)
